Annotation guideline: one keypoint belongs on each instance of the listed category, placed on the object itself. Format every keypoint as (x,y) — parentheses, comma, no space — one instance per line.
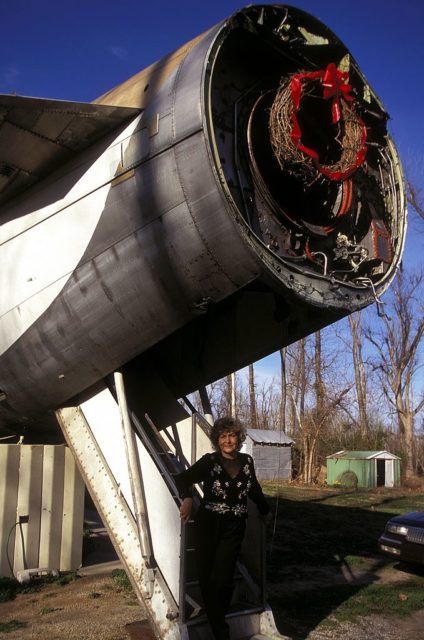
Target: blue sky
(79,50)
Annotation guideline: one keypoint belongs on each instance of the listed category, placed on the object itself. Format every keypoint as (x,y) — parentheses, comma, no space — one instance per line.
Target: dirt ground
(88,608)
(94,607)
(374,628)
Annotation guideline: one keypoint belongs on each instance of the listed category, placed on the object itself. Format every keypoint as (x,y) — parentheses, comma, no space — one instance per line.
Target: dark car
(403,537)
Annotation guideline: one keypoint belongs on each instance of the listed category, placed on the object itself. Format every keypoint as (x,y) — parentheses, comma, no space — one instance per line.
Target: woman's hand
(186,508)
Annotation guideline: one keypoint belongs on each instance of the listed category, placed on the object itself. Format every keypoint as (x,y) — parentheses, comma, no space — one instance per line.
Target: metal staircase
(128,468)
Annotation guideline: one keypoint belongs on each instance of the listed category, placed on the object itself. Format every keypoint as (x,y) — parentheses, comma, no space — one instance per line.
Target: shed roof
(269,436)
(364,455)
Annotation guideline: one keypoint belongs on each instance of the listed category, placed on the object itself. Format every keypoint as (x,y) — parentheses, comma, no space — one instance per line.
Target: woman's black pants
(218,542)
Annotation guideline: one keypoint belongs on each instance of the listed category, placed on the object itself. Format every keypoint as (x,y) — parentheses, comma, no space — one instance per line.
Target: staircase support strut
(135,473)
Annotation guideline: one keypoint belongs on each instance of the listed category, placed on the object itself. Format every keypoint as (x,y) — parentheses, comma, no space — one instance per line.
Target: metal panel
(37,135)
(99,423)
(29,501)
(165,523)
(103,415)
(51,508)
(188,103)
(73,509)
(232,263)
(364,455)
(272,462)
(38,527)
(180,439)
(105,491)
(363,469)
(139,90)
(9,476)
(56,247)
(389,472)
(397,473)
(268,436)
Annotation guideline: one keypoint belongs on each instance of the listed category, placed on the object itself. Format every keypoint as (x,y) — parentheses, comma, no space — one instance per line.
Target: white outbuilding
(271,451)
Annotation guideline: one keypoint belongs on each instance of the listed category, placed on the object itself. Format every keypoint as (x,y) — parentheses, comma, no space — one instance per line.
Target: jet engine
(230,199)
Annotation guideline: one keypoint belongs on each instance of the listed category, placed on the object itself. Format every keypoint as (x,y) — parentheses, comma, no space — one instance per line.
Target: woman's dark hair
(227,423)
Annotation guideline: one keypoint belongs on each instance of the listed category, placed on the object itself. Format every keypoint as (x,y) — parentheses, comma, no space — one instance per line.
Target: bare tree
(223,395)
(318,368)
(268,404)
(218,397)
(415,198)
(355,323)
(316,392)
(298,384)
(252,398)
(314,428)
(233,394)
(283,402)
(397,343)
(319,419)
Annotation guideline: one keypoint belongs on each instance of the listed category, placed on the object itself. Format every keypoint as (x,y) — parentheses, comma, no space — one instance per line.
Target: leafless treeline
(355,385)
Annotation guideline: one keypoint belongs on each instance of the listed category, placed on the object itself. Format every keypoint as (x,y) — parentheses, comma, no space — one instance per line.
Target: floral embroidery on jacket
(239,510)
(221,507)
(218,490)
(223,493)
(218,507)
(242,494)
(216,469)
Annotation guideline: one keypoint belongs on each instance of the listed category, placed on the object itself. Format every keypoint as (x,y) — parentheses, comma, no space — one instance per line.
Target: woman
(228,478)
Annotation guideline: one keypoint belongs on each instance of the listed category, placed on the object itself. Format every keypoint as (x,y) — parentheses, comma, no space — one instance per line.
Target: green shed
(371,468)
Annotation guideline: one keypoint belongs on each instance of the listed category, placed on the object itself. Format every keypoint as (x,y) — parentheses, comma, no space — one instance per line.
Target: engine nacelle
(249,195)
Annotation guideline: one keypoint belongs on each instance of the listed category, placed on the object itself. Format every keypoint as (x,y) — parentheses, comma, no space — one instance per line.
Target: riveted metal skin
(161,250)
(149,586)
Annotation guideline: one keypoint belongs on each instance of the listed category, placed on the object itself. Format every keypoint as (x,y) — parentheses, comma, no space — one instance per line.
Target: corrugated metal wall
(272,462)
(365,470)
(362,468)
(41,508)
(396,473)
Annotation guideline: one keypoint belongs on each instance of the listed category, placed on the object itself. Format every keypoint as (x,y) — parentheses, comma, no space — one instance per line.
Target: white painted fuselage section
(40,249)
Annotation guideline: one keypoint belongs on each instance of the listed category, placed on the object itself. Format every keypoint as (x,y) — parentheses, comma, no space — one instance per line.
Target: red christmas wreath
(286,130)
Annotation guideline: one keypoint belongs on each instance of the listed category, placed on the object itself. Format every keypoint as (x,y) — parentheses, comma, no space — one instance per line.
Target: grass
(399,599)
(12,625)
(326,526)
(348,602)
(10,587)
(46,610)
(324,552)
(121,580)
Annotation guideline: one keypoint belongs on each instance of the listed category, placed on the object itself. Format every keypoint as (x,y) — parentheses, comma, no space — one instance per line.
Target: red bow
(335,86)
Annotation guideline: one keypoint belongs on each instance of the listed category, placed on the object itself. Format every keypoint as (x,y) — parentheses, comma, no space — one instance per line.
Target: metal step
(242,624)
